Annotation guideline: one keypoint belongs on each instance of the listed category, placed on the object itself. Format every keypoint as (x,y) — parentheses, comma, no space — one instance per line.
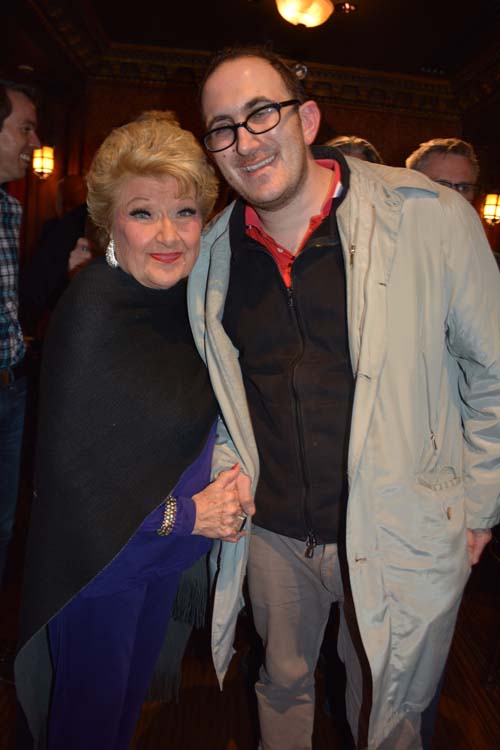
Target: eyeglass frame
(460,187)
(278,106)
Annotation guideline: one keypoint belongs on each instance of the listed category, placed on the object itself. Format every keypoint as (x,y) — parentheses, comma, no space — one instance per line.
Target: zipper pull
(310,545)
(289,291)
(352,250)
(433,441)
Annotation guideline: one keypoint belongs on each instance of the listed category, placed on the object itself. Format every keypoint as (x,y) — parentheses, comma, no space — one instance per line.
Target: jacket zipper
(310,545)
(432,434)
(311,537)
(311,542)
(352,244)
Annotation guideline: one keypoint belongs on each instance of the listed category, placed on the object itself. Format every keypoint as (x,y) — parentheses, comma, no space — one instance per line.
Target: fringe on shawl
(188,611)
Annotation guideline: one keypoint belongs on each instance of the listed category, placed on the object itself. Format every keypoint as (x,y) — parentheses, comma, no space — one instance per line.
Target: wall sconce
(306,12)
(43,161)
(491,208)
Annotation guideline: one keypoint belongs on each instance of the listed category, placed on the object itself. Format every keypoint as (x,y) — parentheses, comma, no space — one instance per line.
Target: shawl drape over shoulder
(125,408)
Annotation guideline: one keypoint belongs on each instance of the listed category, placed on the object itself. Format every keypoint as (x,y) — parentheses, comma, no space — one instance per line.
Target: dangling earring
(110,254)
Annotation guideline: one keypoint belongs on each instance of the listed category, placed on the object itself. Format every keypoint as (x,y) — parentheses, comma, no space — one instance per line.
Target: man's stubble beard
(282,200)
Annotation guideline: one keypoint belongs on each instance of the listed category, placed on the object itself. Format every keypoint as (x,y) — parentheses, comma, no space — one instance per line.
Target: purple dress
(105,641)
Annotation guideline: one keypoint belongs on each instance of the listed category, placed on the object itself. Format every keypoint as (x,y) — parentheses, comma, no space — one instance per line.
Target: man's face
(453,169)
(267,170)
(18,138)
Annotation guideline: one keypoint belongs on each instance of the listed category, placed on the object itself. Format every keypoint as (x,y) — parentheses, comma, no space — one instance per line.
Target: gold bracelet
(169,516)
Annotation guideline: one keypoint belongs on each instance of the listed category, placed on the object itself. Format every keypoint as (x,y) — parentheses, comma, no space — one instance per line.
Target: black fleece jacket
(294,356)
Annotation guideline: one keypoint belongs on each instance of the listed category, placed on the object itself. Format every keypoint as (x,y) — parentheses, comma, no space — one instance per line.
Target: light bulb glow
(307,12)
(43,161)
(491,208)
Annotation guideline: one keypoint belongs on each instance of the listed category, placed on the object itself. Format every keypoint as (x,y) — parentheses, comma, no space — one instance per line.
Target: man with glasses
(349,316)
(449,161)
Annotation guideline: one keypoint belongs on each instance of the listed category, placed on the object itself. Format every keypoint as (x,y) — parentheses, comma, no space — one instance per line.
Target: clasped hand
(223,505)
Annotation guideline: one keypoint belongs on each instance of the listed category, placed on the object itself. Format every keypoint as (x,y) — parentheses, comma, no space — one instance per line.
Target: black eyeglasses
(259,121)
(465,188)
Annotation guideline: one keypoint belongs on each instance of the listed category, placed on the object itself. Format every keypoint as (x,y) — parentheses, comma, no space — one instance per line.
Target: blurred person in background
(352,145)
(18,139)
(66,243)
(450,162)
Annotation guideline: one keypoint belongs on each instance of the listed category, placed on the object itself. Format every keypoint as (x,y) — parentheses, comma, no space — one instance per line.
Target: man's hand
(477,539)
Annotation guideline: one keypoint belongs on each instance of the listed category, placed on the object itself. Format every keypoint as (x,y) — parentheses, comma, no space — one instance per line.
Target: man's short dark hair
(7,85)
(293,84)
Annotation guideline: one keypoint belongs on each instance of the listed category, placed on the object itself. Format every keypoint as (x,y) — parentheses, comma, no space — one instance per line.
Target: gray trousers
(291,597)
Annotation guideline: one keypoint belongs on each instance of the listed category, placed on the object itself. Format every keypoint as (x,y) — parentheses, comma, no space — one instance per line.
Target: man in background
(62,246)
(18,139)
(449,161)
(353,145)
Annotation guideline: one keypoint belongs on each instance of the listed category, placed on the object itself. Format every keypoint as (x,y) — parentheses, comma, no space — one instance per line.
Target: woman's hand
(79,256)
(223,505)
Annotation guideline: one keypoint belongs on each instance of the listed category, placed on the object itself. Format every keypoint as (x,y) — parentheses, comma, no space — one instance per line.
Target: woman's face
(156,231)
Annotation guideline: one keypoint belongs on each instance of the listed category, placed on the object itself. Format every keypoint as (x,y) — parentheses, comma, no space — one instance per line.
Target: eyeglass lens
(259,121)
(461,187)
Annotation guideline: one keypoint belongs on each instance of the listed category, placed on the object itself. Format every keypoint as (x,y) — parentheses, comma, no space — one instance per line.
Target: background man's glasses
(259,121)
(465,188)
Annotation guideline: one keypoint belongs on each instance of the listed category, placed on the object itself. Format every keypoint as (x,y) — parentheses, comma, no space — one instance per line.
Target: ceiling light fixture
(306,12)
(43,161)
(491,208)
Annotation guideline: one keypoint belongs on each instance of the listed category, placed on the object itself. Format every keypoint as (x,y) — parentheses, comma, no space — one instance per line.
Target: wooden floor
(205,718)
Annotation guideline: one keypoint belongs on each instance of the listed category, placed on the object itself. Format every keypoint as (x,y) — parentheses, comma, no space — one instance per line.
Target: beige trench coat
(424,452)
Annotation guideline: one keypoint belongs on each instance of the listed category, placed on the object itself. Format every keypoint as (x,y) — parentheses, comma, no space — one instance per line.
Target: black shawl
(125,408)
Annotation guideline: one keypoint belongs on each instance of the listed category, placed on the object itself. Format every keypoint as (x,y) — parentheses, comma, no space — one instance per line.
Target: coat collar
(400,179)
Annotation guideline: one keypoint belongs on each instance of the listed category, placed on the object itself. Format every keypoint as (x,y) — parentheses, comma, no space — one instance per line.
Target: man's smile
(259,164)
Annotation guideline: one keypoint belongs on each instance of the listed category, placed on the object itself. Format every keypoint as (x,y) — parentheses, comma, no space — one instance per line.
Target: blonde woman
(123,499)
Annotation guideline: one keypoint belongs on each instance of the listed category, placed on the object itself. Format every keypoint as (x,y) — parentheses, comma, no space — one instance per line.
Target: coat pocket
(442,509)
(424,584)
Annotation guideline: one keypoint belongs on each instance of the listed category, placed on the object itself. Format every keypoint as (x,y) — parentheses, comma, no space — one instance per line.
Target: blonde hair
(153,145)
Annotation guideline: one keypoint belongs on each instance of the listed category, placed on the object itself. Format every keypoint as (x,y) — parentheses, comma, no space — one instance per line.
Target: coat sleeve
(473,332)
(206,297)
(225,453)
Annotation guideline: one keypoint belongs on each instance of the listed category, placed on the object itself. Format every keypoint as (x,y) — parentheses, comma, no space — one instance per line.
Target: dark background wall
(89,85)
